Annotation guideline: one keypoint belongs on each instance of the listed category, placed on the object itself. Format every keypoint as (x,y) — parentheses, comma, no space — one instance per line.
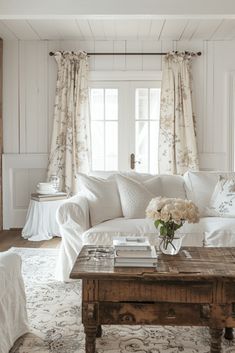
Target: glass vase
(172,247)
(55,182)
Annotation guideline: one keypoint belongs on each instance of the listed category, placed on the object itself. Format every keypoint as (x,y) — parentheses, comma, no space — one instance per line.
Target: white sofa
(13,314)
(76,230)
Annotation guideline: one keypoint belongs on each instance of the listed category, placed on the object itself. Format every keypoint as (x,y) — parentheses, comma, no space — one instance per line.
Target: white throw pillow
(222,202)
(135,196)
(200,186)
(103,198)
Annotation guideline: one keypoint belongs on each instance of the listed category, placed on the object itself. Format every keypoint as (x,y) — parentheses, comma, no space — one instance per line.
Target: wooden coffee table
(194,288)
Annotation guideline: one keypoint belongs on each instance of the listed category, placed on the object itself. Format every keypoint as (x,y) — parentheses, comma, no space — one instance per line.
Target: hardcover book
(131,243)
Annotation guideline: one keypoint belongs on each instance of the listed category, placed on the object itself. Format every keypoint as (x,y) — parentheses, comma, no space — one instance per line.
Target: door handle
(133,161)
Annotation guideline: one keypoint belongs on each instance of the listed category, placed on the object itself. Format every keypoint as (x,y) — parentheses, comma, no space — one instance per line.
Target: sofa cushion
(103,198)
(103,234)
(200,186)
(172,186)
(218,231)
(135,196)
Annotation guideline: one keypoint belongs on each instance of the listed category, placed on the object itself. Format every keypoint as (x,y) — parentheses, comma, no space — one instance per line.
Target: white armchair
(13,315)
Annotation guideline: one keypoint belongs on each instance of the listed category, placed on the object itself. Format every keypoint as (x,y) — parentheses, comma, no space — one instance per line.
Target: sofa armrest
(73,219)
(75,209)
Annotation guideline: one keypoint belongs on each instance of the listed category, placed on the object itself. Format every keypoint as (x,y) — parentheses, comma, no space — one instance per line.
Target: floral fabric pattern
(70,138)
(177,137)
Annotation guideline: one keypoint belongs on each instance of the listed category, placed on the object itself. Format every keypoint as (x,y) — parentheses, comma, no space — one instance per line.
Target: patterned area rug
(54,311)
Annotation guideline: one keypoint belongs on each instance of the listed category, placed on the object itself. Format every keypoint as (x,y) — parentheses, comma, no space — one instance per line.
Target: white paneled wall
(28,98)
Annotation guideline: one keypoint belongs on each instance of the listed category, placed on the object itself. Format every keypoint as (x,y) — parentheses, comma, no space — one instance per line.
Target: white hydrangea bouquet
(169,214)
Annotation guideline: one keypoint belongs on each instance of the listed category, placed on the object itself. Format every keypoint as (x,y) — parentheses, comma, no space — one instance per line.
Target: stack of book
(49,197)
(134,252)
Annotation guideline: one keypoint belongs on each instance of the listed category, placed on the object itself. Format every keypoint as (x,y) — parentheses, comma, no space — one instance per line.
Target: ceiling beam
(122,9)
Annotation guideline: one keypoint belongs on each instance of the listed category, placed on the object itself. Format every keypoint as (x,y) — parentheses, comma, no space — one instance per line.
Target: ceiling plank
(190,29)
(206,29)
(85,29)
(226,31)
(144,29)
(110,29)
(56,29)
(46,29)
(5,32)
(21,29)
(156,29)
(68,29)
(173,29)
(127,29)
(97,29)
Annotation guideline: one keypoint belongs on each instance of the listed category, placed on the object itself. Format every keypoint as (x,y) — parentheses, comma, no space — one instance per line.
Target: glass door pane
(104,128)
(147,111)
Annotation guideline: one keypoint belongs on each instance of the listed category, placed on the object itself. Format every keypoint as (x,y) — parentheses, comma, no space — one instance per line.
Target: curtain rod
(89,54)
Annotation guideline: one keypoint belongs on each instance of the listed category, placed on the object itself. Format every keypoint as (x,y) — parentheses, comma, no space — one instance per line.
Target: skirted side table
(41,220)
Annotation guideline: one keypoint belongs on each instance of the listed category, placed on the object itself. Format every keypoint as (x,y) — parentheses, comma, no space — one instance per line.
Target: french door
(125,125)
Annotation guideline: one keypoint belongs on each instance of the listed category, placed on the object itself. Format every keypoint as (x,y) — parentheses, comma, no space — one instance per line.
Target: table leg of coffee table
(99,331)
(216,339)
(90,332)
(228,334)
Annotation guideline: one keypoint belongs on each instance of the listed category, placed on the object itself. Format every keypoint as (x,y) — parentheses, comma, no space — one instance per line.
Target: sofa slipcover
(13,315)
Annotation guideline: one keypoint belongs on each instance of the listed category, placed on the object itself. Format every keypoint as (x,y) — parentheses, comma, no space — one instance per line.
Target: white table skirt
(41,220)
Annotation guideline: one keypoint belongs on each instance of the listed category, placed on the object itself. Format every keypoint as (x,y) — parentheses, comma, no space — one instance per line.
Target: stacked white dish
(46,189)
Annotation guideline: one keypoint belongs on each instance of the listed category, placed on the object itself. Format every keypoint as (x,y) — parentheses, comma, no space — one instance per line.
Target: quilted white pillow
(222,202)
(135,196)
(103,198)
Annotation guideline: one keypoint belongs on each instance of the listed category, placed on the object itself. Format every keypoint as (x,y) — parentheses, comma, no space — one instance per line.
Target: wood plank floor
(9,238)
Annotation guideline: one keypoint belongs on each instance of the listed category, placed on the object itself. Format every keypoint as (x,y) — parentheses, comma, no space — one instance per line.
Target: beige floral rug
(54,311)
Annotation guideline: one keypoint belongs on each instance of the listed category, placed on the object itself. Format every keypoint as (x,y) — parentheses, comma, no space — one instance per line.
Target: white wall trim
(125,75)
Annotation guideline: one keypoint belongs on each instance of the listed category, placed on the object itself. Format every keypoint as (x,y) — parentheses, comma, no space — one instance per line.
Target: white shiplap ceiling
(114,29)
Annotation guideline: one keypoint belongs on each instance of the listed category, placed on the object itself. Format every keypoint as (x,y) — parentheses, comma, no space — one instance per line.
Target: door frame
(123,78)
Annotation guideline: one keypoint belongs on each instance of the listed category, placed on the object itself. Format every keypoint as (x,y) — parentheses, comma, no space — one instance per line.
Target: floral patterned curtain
(70,137)
(177,137)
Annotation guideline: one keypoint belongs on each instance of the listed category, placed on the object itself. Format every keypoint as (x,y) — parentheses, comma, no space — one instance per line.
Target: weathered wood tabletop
(190,262)
(195,287)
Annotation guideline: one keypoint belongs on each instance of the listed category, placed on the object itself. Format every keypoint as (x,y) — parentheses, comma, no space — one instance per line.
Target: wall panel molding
(213,161)
(21,174)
